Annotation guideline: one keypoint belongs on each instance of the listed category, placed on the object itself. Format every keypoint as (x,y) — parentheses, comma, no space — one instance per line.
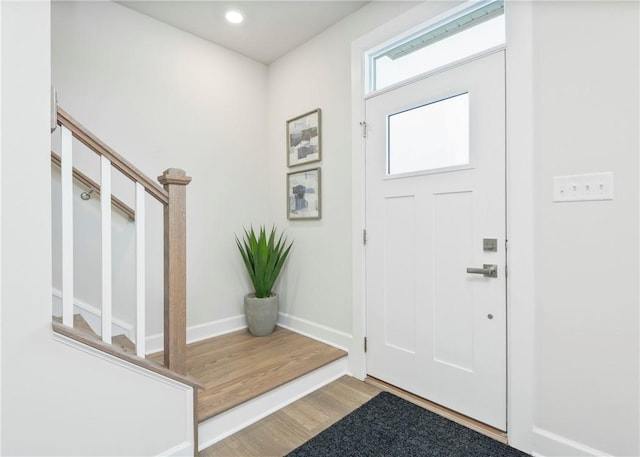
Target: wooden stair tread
(124,343)
(237,367)
(80,324)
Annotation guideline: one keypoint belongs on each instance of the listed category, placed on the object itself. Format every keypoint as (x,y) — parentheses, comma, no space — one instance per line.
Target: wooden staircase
(236,378)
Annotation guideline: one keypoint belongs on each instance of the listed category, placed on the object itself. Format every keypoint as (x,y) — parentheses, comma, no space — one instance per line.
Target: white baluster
(66,168)
(140,271)
(105,206)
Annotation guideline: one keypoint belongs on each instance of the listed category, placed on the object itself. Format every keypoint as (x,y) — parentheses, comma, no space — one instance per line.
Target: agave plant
(264,258)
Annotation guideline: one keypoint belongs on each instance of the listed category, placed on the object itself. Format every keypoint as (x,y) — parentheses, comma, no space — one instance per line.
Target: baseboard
(155,343)
(318,332)
(184,449)
(211,329)
(92,315)
(226,424)
(548,444)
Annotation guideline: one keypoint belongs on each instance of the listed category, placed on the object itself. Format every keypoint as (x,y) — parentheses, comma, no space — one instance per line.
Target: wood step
(124,343)
(121,341)
(79,323)
(237,367)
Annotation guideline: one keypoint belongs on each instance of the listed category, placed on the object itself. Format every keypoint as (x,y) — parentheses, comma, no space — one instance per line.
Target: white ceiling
(270,29)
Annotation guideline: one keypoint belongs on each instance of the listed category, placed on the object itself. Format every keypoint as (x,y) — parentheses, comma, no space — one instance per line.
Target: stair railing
(172,196)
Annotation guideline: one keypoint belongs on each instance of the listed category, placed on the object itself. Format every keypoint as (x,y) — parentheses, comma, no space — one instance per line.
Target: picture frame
(304,194)
(304,139)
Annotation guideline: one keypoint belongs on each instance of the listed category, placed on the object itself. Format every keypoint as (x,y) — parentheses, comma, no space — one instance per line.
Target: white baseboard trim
(549,444)
(181,450)
(155,343)
(318,332)
(341,340)
(235,419)
(92,315)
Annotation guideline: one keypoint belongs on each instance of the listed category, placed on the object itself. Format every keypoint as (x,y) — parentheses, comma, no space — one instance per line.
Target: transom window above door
(470,29)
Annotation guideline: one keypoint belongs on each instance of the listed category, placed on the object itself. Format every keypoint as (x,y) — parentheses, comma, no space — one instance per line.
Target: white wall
(164,98)
(317,284)
(586,105)
(56,399)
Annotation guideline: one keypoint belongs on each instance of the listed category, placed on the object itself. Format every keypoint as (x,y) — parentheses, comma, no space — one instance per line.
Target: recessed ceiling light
(235,17)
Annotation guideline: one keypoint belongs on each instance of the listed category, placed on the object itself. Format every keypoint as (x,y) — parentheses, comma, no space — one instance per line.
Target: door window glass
(430,137)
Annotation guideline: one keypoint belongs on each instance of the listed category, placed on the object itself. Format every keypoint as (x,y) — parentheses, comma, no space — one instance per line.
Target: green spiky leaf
(263,257)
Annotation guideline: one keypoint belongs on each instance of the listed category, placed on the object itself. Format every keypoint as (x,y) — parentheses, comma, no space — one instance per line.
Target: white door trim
(520,220)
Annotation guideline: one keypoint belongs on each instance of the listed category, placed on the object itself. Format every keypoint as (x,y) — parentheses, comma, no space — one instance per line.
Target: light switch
(577,188)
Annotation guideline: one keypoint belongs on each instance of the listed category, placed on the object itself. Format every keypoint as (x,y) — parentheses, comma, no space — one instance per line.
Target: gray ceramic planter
(261,313)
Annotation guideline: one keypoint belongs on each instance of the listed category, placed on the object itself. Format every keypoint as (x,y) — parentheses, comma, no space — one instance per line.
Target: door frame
(520,200)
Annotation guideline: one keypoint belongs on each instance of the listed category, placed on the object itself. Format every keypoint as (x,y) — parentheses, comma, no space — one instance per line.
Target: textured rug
(390,426)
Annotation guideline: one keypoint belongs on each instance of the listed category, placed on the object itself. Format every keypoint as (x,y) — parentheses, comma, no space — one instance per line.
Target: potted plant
(264,257)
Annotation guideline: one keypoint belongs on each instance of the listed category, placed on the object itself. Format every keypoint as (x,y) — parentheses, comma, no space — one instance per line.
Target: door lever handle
(490,271)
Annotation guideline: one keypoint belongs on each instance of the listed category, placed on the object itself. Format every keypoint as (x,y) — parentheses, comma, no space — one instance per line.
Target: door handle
(490,271)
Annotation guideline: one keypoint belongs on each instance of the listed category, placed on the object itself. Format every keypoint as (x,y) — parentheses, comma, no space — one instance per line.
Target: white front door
(435,206)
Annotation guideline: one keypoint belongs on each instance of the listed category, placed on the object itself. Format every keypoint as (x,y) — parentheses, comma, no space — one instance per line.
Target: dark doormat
(390,426)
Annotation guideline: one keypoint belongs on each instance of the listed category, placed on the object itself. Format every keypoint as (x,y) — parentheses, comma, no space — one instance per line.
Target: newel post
(175,183)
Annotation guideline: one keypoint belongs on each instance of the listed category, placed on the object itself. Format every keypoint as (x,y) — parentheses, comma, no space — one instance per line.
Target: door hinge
(364,236)
(365,344)
(506,267)
(363,124)
(54,109)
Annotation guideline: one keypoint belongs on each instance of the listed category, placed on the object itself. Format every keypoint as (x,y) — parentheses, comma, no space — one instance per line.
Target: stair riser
(226,424)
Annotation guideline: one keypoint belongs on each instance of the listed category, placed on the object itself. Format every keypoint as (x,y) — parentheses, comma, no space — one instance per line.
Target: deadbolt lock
(490,245)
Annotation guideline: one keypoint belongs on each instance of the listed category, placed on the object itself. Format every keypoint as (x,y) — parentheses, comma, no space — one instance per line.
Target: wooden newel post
(175,183)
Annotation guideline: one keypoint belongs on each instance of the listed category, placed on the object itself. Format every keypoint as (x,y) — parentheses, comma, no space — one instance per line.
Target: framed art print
(303,139)
(303,194)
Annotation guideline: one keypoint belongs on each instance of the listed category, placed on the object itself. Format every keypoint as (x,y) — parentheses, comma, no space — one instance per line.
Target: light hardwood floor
(236,367)
(288,428)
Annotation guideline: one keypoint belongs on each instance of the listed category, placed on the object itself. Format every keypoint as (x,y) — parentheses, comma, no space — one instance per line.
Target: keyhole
(489,316)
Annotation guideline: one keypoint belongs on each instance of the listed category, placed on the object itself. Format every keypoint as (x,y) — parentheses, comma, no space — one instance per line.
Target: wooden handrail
(124,166)
(92,185)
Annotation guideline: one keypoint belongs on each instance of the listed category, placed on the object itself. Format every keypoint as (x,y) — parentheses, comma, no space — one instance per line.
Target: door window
(429,137)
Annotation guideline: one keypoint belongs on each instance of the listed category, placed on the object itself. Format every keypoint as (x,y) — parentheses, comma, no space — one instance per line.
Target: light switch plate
(579,188)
